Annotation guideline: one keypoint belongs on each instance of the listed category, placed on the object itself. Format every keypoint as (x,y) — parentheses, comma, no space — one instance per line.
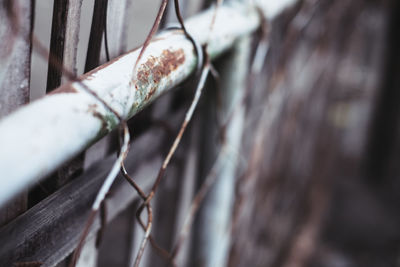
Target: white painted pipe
(39,137)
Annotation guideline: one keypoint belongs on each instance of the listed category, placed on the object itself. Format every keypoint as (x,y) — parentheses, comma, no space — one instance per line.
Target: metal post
(215,218)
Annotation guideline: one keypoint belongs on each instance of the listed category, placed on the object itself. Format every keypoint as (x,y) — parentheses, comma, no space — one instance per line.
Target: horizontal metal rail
(39,137)
(53,227)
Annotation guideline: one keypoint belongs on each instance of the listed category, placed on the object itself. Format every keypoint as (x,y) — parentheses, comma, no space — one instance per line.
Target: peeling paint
(152,73)
(93,110)
(154,69)
(108,120)
(150,93)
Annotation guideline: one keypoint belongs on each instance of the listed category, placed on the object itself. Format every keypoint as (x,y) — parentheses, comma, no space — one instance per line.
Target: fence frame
(77,120)
(70,119)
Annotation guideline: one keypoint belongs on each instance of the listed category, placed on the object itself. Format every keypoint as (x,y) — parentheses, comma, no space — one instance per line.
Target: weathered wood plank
(50,231)
(96,35)
(63,49)
(64,39)
(15,51)
(15,58)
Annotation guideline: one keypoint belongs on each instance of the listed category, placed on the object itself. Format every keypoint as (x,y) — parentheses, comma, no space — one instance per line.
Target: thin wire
(162,252)
(103,191)
(205,71)
(153,30)
(105,34)
(197,200)
(201,64)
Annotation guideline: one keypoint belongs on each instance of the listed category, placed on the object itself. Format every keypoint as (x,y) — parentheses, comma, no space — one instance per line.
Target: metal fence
(250,133)
(46,191)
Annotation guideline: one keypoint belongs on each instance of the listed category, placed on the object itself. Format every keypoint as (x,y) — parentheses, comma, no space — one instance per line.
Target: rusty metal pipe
(39,137)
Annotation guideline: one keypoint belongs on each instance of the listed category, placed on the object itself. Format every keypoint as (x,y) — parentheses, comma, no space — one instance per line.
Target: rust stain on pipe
(150,93)
(92,109)
(154,69)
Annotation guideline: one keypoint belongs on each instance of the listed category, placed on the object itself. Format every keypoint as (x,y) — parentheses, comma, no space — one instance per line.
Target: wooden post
(63,49)
(16,23)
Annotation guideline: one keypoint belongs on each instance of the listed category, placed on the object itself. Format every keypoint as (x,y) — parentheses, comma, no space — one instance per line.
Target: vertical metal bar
(165,219)
(187,187)
(89,253)
(58,27)
(215,218)
(16,23)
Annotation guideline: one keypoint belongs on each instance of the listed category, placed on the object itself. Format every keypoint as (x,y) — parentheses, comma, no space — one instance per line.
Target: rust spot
(151,93)
(64,89)
(93,110)
(157,68)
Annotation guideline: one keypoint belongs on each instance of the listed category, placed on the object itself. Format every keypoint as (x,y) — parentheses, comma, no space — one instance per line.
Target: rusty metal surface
(34,142)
